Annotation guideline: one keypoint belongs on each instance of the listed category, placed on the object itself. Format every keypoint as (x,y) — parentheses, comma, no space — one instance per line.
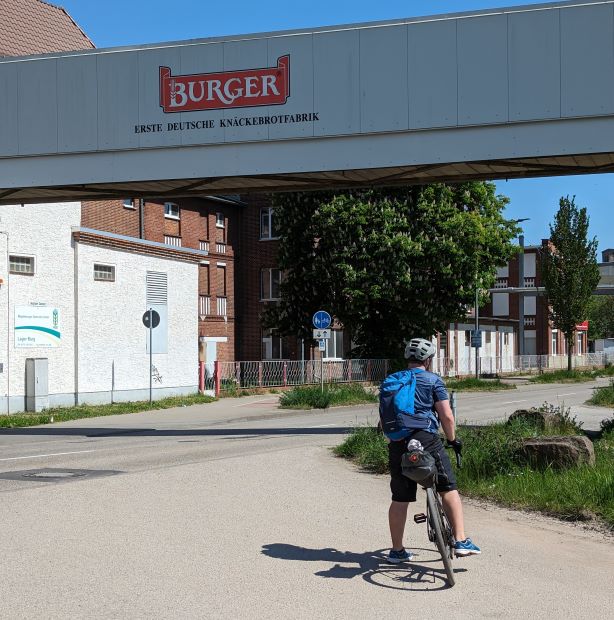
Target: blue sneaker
(396,557)
(465,547)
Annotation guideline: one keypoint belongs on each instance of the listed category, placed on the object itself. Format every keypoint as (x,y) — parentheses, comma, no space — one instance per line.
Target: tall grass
(64,414)
(604,396)
(492,469)
(312,397)
(566,376)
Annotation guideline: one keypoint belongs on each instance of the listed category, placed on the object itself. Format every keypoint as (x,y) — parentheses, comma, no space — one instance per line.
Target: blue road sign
(321,319)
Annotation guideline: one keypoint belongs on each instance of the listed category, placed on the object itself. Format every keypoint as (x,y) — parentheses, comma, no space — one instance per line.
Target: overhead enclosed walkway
(520,92)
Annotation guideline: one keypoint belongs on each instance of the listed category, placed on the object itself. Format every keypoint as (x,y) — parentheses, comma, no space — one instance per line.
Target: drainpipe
(521,296)
(141,218)
(8,328)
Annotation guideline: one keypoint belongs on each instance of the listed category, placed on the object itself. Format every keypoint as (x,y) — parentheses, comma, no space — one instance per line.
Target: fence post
(259,374)
(216,378)
(368,370)
(201,377)
(285,374)
(385,368)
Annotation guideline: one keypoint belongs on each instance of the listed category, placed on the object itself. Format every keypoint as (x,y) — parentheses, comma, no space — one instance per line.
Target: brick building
(540,337)
(209,224)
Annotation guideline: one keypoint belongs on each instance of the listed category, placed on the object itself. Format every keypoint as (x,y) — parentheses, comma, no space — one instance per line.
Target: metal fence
(230,376)
(518,364)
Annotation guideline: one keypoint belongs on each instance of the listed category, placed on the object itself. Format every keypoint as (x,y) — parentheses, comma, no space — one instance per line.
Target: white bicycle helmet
(419,349)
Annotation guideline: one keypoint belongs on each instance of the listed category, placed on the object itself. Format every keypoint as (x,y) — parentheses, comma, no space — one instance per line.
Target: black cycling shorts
(403,489)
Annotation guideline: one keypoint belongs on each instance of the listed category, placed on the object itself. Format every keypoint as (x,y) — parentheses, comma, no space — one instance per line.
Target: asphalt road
(237,508)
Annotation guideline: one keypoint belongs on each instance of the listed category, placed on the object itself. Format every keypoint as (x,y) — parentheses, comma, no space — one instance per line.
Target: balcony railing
(174,241)
(529,321)
(529,281)
(220,248)
(203,246)
(221,306)
(204,305)
(501,283)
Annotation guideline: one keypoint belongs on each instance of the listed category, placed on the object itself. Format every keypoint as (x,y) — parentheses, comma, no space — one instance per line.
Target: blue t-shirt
(430,389)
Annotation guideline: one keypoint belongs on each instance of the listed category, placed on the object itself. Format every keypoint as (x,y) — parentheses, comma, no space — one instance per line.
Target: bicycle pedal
(420,518)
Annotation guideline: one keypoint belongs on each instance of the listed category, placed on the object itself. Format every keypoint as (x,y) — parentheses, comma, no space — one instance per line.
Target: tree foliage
(600,314)
(388,264)
(569,269)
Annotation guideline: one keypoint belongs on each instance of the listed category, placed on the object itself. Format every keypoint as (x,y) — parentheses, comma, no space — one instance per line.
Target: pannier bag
(419,466)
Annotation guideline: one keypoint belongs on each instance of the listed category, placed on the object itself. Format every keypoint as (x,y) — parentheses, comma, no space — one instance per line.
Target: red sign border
(239,71)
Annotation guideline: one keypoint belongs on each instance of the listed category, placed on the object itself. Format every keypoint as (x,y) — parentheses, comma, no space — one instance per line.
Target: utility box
(37,383)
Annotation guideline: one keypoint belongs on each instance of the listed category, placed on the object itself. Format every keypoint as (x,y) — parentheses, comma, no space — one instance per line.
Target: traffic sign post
(151,320)
(321,334)
(321,319)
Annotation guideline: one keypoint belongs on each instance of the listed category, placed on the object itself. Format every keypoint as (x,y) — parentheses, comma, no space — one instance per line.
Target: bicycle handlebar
(457,450)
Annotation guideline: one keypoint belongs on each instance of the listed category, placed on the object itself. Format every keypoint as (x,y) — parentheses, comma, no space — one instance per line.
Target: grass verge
(64,414)
(491,470)
(574,376)
(312,397)
(471,384)
(603,397)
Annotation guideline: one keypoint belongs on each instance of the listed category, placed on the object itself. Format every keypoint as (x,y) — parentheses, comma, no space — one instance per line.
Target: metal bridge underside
(345,179)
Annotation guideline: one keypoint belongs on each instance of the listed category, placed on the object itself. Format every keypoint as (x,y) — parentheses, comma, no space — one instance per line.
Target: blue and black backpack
(397,407)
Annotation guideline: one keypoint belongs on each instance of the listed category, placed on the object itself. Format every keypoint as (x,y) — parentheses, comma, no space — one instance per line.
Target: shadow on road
(426,573)
(70,431)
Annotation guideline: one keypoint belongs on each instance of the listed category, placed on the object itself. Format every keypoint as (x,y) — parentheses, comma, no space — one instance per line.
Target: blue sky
(126,22)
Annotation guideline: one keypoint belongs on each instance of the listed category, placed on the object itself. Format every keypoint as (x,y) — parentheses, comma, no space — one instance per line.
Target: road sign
(476,339)
(322,345)
(321,319)
(321,334)
(155,319)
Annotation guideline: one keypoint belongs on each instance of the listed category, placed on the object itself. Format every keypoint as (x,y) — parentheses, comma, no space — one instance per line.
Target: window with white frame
(270,280)
(272,345)
(579,343)
(334,345)
(171,210)
(104,273)
(128,203)
(268,228)
(219,220)
(23,265)
(554,342)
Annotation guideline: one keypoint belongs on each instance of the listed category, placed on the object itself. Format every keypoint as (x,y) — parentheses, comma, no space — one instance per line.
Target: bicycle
(438,526)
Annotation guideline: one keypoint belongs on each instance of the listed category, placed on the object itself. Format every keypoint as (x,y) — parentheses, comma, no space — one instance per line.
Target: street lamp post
(521,292)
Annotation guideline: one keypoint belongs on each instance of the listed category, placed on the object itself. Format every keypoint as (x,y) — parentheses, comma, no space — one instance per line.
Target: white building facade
(76,297)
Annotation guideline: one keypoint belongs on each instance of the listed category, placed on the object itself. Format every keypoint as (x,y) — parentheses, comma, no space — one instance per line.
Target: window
(272,345)
(334,345)
(268,228)
(128,203)
(506,338)
(204,279)
(104,273)
(219,220)
(500,304)
(174,241)
(554,341)
(467,338)
(221,280)
(171,210)
(270,280)
(487,339)
(21,264)
(580,342)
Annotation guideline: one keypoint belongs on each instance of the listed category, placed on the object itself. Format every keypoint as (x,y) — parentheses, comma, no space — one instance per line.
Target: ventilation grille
(157,288)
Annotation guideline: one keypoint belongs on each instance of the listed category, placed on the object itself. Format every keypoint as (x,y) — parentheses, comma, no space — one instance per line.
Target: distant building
(76,298)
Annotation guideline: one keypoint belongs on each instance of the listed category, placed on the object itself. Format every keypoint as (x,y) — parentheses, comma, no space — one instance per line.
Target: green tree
(600,316)
(388,264)
(569,269)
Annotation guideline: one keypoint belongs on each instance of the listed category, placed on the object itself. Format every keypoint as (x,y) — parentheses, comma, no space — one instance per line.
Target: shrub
(312,397)
(604,396)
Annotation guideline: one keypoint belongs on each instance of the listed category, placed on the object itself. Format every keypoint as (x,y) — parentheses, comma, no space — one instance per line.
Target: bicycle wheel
(435,520)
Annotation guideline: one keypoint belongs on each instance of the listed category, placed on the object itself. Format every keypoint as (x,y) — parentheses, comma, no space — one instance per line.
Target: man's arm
(444,411)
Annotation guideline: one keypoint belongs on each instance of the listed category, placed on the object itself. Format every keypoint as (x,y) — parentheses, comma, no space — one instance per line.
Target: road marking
(324,425)
(41,456)
(568,394)
(511,402)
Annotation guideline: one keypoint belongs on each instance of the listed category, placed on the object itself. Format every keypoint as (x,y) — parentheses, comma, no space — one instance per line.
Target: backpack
(396,405)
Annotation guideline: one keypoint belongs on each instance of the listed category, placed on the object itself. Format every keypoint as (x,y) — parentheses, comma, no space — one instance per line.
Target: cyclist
(431,401)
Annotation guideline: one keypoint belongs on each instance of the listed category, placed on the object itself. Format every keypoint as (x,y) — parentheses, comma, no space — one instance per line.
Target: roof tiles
(37,27)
